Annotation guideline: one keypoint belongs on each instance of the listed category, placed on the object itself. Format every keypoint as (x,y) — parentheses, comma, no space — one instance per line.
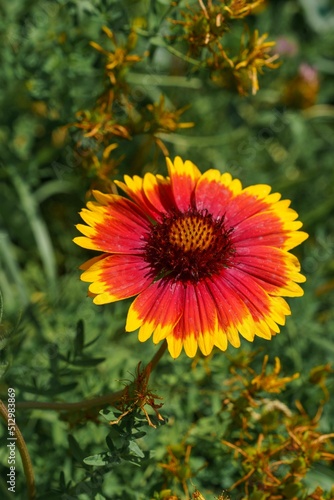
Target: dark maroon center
(188,246)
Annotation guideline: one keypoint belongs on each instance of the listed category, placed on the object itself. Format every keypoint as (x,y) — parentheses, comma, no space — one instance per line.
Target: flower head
(207,260)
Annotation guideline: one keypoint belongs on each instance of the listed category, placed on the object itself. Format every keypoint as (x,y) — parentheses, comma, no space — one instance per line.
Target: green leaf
(62,481)
(91,342)
(134,448)
(139,434)
(87,362)
(79,338)
(115,442)
(75,448)
(108,415)
(64,388)
(1,306)
(81,361)
(98,460)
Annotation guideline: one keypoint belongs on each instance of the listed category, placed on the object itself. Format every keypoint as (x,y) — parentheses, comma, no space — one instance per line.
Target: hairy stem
(88,404)
(25,457)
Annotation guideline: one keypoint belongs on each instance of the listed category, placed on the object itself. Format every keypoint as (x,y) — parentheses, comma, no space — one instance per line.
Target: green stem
(158,41)
(25,457)
(145,79)
(88,404)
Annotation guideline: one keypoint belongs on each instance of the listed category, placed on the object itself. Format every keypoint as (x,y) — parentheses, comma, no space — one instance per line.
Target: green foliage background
(49,72)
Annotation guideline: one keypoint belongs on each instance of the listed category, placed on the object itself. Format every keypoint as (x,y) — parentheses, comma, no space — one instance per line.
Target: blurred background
(156,91)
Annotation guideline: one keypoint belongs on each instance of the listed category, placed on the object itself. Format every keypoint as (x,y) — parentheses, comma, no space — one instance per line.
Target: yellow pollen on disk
(192,233)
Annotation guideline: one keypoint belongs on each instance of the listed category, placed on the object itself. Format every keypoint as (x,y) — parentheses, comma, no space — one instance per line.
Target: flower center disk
(188,246)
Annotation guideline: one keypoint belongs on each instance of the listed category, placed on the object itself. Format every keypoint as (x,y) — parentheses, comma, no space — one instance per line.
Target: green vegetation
(167,94)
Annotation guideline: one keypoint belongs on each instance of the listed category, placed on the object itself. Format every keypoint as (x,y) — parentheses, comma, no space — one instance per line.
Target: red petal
(263,229)
(212,195)
(274,269)
(184,177)
(117,277)
(158,192)
(199,320)
(266,311)
(199,314)
(233,314)
(122,228)
(157,309)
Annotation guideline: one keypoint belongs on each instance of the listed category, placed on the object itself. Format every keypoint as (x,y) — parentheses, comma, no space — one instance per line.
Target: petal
(267,229)
(85,243)
(294,239)
(255,212)
(116,277)
(103,198)
(157,309)
(118,227)
(158,192)
(233,315)
(260,191)
(214,192)
(273,269)
(243,206)
(174,346)
(133,187)
(86,265)
(153,193)
(198,324)
(189,343)
(221,340)
(260,218)
(184,177)
(265,310)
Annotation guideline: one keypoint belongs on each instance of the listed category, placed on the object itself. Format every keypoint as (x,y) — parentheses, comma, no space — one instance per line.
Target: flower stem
(25,457)
(88,404)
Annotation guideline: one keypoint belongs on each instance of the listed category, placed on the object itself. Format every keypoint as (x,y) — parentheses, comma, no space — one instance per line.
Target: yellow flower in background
(120,57)
(207,260)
